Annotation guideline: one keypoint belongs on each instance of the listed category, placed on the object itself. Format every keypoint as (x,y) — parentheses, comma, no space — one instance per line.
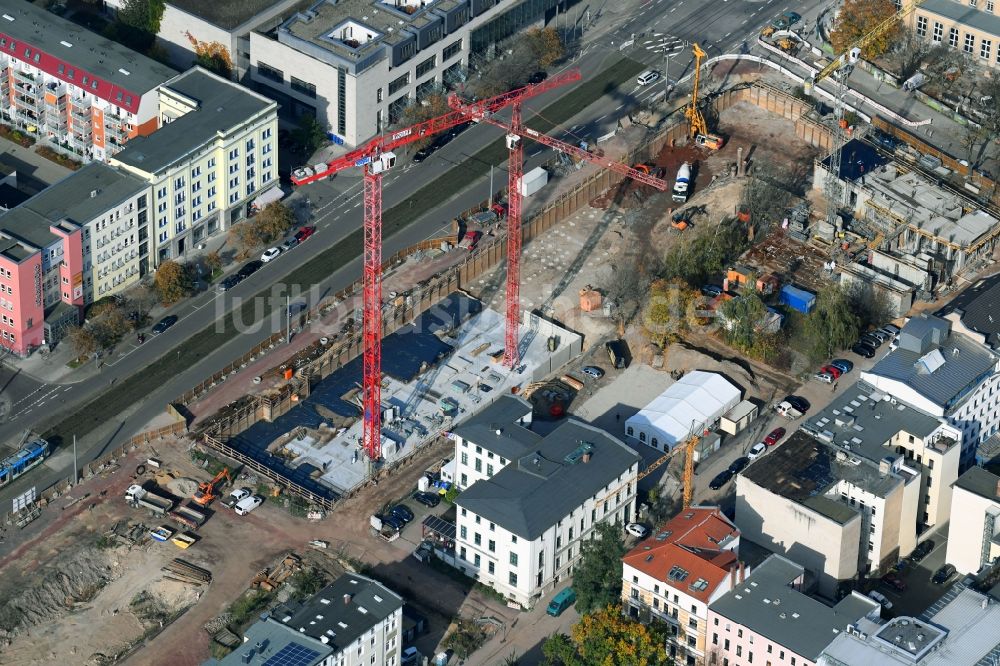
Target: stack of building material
(185,572)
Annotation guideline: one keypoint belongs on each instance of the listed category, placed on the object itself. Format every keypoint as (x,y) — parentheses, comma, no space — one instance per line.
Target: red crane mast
(374,158)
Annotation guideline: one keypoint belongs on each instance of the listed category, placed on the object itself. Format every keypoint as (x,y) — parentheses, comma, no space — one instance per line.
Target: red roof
(690,547)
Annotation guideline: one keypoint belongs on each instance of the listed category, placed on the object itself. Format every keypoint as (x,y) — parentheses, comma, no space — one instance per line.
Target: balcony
(24,76)
(81,114)
(82,133)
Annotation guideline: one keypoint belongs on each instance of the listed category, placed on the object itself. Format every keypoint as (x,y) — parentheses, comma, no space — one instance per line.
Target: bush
(16,136)
(58,158)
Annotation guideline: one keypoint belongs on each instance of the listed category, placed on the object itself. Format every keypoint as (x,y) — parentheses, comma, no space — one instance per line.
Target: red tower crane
(374,158)
(515,132)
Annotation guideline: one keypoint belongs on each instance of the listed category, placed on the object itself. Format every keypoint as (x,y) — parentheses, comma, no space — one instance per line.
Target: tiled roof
(694,541)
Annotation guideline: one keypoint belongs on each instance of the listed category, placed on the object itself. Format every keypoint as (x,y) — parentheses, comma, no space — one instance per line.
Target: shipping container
(533,181)
(797,299)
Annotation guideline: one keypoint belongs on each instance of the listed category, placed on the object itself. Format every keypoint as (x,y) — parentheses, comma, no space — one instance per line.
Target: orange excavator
(207,490)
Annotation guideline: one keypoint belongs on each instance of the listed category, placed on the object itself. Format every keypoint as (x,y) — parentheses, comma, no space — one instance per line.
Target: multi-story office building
(945,372)
(72,87)
(674,575)
(215,152)
(354,621)
(769,619)
(356,64)
(974,532)
(80,240)
(529,501)
(970,26)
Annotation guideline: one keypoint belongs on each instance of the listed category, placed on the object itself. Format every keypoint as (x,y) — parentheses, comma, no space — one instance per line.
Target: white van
(647,77)
(248,504)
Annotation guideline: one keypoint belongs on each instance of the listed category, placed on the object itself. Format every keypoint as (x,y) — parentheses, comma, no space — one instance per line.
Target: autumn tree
(608,637)
(310,135)
(597,579)
(832,325)
(172,282)
(274,220)
(213,56)
(545,46)
(136,23)
(431,106)
(669,311)
(213,260)
(857,18)
(744,317)
(83,340)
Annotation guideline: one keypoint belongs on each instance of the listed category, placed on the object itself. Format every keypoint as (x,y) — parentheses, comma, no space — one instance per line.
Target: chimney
(998,487)
(347,599)
(743,572)
(739,162)
(586,456)
(732,577)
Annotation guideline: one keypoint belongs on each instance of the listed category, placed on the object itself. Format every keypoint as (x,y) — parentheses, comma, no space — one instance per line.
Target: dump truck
(681,183)
(188,517)
(138,496)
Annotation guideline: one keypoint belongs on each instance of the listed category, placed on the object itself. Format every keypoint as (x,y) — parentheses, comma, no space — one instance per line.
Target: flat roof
(961,13)
(769,604)
(498,428)
(229,14)
(865,419)
(804,469)
(978,481)
(86,50)
(270,642)
(857,158)
(221,106)
(540,488)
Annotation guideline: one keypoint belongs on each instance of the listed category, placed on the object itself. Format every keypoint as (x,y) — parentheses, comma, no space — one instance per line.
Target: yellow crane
(851,55)
(688,448)
(697,127)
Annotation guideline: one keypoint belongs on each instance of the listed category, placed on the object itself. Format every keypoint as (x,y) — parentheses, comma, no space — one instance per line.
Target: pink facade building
(768,620)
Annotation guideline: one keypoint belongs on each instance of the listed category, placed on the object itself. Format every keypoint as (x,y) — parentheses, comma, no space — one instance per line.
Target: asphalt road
(337,212)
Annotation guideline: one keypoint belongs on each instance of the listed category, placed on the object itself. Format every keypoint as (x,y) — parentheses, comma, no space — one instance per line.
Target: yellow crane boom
(696,121)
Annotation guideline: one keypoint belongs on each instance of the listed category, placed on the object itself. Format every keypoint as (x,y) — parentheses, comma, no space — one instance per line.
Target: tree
(857,18)
(172,282)
(744,316)
(669,311)
(83,340)
(137,23)
(430,107)
(832,325)
(871,305)
(310,135)
(213,260)
(597,580)
(510,660)
(606,637)
(545,46)
(213,56)
(274,220)
(466,639)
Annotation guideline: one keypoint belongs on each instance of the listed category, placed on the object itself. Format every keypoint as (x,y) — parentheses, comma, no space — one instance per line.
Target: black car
(458,129)
(537,77)
(943,574)
(427,499)
(402,512)
(863,350)
(721,479)
(229,282)
(250,268)
(393,522)
(739,465)
(422,154)
(871,340)
(164,324)
(922,550)
(711,290)
(798,402)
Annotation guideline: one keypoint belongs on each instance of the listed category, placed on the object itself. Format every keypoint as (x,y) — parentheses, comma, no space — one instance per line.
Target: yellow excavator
(698,129)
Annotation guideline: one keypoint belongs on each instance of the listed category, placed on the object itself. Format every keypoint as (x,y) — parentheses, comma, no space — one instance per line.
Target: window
(491,567)
(426,66)
(464,532)
(269,72)
(985,46)
(642,436)
(938,32)
(629,431)
(989,5)
(477,539)
(953,38)
(489,470)
(465,458)
(513,559)
(513,579)
(476,559)
(973,3)
(399,84)
(922,26)
(970,43)
(451,50)
(479,464)
(378,95)
(492,546)
(513,539)
(303,87)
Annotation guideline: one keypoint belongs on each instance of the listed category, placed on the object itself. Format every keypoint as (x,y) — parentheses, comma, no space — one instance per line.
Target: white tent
(690,405)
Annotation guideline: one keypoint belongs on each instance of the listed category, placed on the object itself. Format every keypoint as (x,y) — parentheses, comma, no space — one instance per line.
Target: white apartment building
(974,534)
(71,87)
(675,574)
(215,152)
(354,621)
(356,64)
(946,372)
(527,502)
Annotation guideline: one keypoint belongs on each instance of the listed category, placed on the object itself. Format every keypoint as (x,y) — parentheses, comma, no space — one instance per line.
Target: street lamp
(665,44)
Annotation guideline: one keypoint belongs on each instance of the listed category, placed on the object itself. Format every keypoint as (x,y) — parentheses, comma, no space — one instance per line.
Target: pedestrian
(834,390)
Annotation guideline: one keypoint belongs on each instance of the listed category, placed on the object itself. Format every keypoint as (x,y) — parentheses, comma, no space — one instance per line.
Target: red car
(895,581)
(775,436)
(834,371)
(304,233)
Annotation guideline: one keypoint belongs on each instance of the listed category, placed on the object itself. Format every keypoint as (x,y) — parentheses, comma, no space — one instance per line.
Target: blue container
(797,299)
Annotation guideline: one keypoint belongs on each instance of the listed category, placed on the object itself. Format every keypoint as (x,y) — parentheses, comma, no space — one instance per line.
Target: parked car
(791,17)
(892,328)
(559,603)
(402,512)
(459,128)
(739,464)
(393,522)
(592,371)
(711,290)
(842,364)
(304,233)
(250,268)
(721,479)
(875,595)
(774,436)
(757,451)
(248,504)
(922,550)
(270,253)
(164,324)
(290,243)
(889,333)
(863,350)
(879,335)
(893,580)
(832,370)
(637,530)
(823,377)
(872,340)
(942,575)
(239,494)
(537,77)
(410,657)
(798,402)
(422,154)
(229,282)
(427,499)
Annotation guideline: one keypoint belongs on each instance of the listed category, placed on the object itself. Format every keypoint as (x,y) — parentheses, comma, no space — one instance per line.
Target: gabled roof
(544,485)
(690,553)
(690,403)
